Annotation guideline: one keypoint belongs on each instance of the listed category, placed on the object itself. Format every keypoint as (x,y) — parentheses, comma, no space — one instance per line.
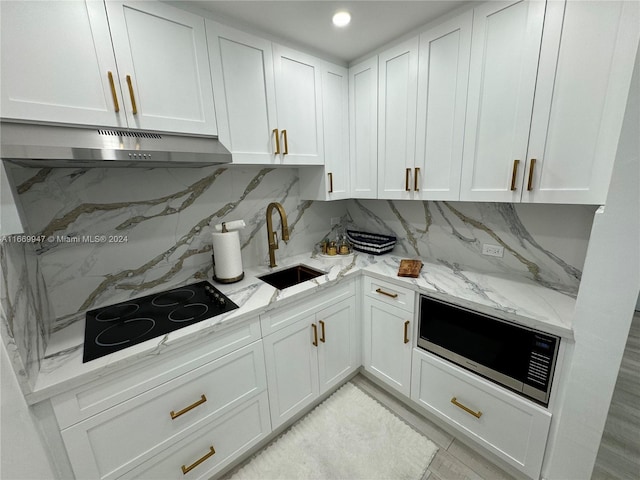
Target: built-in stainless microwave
(517,357)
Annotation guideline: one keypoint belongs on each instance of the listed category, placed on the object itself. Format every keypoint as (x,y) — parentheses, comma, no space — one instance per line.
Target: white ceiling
(307,23)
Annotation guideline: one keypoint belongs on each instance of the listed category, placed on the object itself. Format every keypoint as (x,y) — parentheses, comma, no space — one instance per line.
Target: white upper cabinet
(578,112)
(331,182)
(299,106)
(397,91)
(363,128)
(163,66)
(242,72)
(442,97)
(59,65)
(502,78)
(57,62)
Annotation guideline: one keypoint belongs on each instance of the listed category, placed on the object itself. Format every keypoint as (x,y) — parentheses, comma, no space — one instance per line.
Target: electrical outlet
(492,250)
(335,221)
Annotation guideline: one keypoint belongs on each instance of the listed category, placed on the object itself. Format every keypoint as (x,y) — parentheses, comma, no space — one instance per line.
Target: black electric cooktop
(122,325)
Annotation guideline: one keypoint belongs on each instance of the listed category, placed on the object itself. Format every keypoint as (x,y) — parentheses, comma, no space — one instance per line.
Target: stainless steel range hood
(37,145)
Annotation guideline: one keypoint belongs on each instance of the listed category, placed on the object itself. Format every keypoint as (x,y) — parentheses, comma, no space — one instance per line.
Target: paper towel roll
(233,225)
(227,259)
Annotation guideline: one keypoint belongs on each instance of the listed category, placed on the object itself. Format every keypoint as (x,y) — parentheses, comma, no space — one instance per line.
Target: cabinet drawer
(389,293)
(230,437)
(290,314)
(88,400)
(112,442)
(513,428)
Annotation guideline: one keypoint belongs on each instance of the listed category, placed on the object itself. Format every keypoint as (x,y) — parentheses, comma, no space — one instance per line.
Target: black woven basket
(373,243)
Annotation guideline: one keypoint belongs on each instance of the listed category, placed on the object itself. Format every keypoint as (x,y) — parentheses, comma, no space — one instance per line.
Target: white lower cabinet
(315,352)
(387,327)
(509,426)
(176,414)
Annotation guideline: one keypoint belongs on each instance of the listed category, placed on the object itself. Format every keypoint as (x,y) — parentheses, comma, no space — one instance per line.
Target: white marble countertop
(512,298)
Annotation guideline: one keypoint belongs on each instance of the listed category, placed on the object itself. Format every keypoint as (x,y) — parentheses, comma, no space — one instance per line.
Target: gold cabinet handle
(210,453)
(415,178)
(275,134)
(315,334)
(286,143)
(330,182)
(406,179)
(113,92)
(514,175)
(406,331)
(134,108)
(175,415)
(392,295)
(322,337)
(477,414)
(532,165)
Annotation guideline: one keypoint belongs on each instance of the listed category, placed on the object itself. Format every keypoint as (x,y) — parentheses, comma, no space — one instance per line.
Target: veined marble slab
(511,298)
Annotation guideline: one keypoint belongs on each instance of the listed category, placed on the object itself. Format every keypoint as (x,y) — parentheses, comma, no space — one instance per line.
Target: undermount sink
(291,276)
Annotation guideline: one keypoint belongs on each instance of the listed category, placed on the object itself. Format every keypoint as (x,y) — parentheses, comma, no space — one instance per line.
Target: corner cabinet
(309,352)
(269,99)
(59,65)
(507,425)
(387,332)
(331,182)
(363,128)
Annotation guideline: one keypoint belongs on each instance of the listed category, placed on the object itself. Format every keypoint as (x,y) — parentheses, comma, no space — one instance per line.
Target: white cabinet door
(337,347)
(504,59)
(387,343)
(580,100)
(55,63)
(363,128)
(292,369)
(299,106)
(163,65)
(331,182)
(242,73)
(398,83)
(442,97)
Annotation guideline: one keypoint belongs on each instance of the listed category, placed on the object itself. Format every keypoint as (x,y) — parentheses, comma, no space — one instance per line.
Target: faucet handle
(275,240)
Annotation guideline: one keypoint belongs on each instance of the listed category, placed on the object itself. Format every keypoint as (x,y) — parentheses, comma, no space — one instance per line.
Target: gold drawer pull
(275,134)
(532,165)
(175,415)
(406,331)
(477,414)
(210,453)
(514,175)
(406,179)
(315,334)
(322,337)
(392,295)
(415,178)
(134,108)
(113,92)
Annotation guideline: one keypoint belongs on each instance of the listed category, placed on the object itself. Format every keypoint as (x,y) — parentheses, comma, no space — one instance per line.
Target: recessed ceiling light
(341,19)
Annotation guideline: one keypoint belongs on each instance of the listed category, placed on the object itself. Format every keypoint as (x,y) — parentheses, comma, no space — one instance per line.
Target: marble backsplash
(546,243)
(159,221)
(25,313)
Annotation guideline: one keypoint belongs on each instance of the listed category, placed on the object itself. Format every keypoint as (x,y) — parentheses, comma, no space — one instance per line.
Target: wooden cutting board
(409,268)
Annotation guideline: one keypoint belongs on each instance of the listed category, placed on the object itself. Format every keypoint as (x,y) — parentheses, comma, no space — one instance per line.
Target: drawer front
(389,293)
(290,314)
(116,440)
(508,425)
(229,437)
(88,400)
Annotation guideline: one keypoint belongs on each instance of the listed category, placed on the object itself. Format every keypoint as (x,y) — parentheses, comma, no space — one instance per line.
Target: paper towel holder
(228,228)
(224,280)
